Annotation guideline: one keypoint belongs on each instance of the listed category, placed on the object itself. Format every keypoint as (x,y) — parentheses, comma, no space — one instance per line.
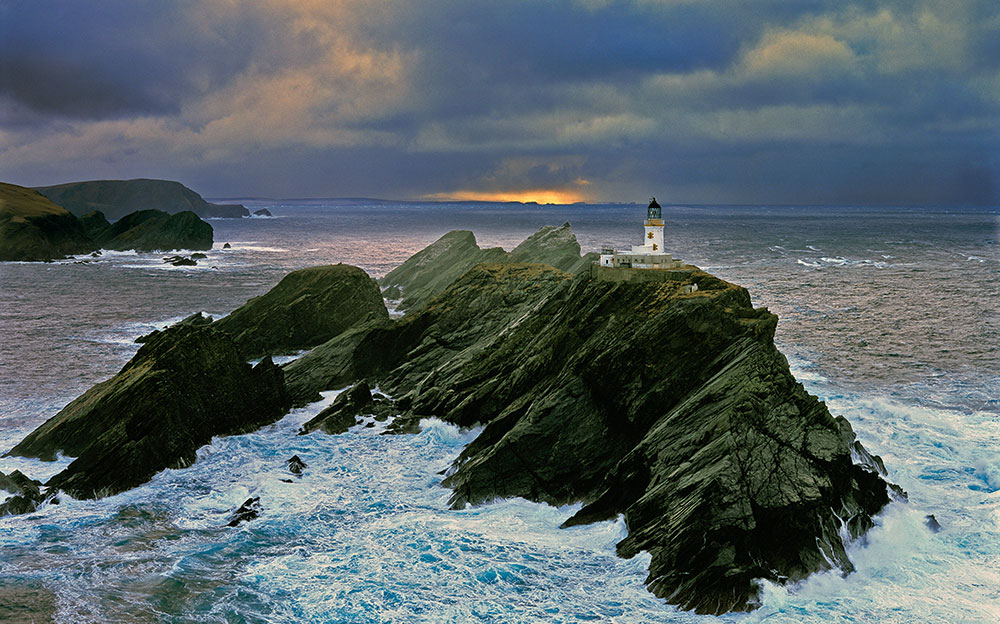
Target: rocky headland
(664,400)
(33,228)
(117,198)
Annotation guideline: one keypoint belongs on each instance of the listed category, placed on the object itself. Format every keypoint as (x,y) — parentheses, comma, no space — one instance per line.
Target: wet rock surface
(184,386)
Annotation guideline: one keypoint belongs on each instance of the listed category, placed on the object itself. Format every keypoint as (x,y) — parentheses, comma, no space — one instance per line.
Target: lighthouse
(650,254)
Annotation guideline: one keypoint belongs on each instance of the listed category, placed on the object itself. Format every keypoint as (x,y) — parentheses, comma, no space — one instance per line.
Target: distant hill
(117,198)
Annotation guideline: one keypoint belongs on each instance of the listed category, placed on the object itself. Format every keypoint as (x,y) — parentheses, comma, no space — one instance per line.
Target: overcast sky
(737,101)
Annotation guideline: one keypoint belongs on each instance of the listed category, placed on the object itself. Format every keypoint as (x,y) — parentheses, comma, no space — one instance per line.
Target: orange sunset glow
(538,196)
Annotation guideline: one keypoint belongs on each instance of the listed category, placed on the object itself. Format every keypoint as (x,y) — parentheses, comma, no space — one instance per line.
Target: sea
(891,315)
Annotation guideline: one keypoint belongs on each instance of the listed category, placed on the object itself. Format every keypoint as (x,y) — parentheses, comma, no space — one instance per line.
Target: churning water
(890,315)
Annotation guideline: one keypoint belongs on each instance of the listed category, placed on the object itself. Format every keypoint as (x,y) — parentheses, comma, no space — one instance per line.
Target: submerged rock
(932,523)
(659,401)
(32,228)
(249,510)
(306,308)
(263,212)
(184,386)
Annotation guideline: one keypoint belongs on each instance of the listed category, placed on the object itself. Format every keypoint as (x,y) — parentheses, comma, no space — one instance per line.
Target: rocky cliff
(185,385)
(117,198)
(306,308)
(671,407)
(32,228)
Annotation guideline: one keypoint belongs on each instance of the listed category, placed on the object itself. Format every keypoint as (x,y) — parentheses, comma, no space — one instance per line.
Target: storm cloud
(713,101)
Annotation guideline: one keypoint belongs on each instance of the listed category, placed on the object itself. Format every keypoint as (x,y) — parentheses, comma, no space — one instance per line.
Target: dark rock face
(296,465)
(306,308)
(671,407)
(185,385)
(117,198)
(249,510)
(431,270)
(32,228)
(263,212)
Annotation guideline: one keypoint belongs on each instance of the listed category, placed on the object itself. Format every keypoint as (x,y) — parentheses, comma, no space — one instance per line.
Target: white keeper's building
(649,255)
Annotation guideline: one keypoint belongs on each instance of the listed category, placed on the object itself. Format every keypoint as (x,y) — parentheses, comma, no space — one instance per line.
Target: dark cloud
(878,101)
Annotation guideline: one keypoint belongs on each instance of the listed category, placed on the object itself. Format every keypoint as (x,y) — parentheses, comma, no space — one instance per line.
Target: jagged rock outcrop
(306,308)
(431,270)
(184,386)
(32,228)
(669,406)
(117,198)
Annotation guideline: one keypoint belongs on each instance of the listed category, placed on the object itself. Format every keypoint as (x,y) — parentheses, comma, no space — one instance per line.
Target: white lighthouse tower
(653,230)
(648,255)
